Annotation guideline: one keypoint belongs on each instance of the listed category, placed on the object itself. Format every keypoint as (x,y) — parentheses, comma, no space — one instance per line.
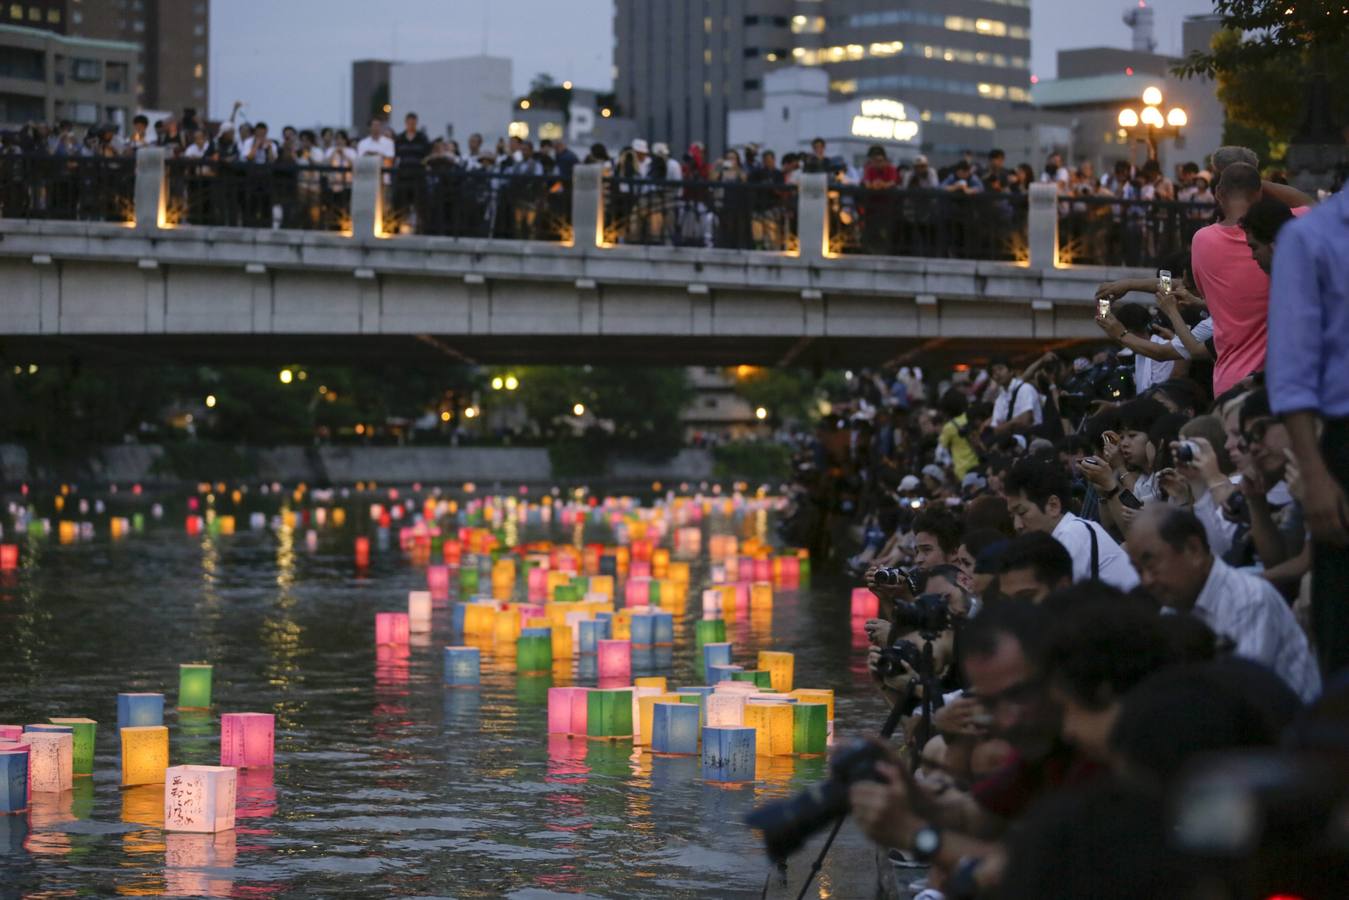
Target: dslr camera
(910,578)
(894,657)
(929,615)
(787,824)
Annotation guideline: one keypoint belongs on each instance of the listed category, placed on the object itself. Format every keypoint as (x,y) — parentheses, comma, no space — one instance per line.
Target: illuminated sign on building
(884,120)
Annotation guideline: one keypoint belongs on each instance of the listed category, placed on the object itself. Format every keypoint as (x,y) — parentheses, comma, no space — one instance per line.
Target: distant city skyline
(257,58)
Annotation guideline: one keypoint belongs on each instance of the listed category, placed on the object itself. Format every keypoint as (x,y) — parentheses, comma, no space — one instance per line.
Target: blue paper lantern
(674,728)
(662,628)
(643,630)
(458,612)
(138,710)
(722,673)
(589,634)
(463,666)
(718,654)
(728,754)
(13,781)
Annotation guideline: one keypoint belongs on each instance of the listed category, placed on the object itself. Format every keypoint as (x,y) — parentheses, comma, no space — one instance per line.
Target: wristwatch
(1110,494)
(926,843)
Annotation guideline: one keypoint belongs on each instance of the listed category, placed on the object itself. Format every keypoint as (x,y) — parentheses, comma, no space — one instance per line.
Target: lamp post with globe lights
(1149,123)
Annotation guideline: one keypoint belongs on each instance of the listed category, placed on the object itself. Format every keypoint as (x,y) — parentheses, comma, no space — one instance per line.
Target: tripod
(928,682)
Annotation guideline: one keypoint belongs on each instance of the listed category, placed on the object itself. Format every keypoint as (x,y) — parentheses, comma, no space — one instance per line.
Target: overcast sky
(290,60)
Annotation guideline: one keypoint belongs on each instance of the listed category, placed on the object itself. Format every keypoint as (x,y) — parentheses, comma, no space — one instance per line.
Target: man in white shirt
(199,147)
(1017,408)
(257,147)
(1170,549)
(377,142)
(673,171)
(1038,492)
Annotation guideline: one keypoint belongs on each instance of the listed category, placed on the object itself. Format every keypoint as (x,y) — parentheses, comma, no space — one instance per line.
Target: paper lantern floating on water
(712,601)
(716,654)
(567,710)
(674,729)
(392,628)
(774,725)
(810,728)
(82,750)
(758,677)
(248,740)
(139,709)
(194,686)
(646,704)
(363,552)
(725,708)
(609,713)
(781,667)
(50,760)
(729,754)
(13,779)
(662,629)
(590,632)
(614,659)
(145,754)
(656,681)
(419,612)
(761,595)
(534,650)
(463,666)
(708,631)
(199,799)
(10,732)
(9,557)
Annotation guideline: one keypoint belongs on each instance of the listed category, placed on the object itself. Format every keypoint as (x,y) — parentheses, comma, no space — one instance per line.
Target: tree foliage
(1264,56)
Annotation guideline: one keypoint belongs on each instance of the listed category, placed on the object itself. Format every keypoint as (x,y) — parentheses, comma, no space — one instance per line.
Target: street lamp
(512,382)
(760,413)
(1149,123)
(578,410)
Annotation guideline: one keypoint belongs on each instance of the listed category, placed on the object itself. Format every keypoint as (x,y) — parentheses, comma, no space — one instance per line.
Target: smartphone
(1103,307)
(1127,498)
(1164,281)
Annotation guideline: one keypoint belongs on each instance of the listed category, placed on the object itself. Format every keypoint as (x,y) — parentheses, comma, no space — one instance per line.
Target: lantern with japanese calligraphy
(780,666)
(199,799)
(50,760)
(248,740)
(728,753)
(145,754)
(82,750)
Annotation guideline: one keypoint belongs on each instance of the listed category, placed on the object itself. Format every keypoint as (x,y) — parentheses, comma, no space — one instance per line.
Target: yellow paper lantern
(774,727)
(780,666)
(145,754)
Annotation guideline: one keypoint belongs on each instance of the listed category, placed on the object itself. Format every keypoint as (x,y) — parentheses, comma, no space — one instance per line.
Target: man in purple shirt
(1308,377)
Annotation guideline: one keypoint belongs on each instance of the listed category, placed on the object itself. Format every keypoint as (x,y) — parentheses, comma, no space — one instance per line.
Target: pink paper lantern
(567,710)
(392,628)
(639,568)
(247,740)
(614,660)
(637,592)
(789,571)
(763,570)
(10,732)
(438,580)
(538,583)
(865,605)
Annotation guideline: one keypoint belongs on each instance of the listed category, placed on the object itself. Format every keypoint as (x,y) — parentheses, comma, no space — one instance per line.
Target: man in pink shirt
(1234,287)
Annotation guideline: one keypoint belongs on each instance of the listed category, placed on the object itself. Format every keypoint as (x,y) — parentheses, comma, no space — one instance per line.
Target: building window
(751,20)
(16,11)
(86,70)
(77,17)
(707,57)
(198,50)
(198,70)
(199,30)
(34,14)
(751,52)
(138,26)
(752,84)
(53,17)
(117,80)
(84,113)
(199,93)
(707,89)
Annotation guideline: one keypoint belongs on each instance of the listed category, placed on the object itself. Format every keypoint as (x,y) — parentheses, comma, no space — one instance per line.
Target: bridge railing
(258,195)
(729,215)
(431,200)
(927,222)
(813,219)
(1107,231)
(82,189)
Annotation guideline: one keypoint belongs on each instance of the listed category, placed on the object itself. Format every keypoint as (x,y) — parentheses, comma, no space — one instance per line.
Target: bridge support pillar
(152,190)
(367,198)
(587,207)
(812,216)
(1042,225)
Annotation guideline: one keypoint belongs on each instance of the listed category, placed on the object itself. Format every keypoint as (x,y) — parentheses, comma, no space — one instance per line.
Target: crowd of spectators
(1137,558)
(298,177)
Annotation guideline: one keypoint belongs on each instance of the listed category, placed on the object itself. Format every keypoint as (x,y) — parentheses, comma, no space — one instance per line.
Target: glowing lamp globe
(1152,116)
(1176,117)
(1152,96)
(1128,118)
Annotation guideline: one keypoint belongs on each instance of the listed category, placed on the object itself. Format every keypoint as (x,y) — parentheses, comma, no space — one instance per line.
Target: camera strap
(1095,552)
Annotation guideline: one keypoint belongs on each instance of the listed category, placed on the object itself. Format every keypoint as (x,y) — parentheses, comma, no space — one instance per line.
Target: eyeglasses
(1256,429)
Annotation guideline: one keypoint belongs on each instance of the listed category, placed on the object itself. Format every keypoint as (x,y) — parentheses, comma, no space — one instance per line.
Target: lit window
(707,57)
(198,70)
(707,25)
(54,17)
(844,87)
(16,11)
(34,14)
(856,51)
(707,89)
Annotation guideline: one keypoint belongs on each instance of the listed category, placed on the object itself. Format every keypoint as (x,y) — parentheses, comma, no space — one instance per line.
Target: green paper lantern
(810,727)
(709,631)
(534,654)
(83,756)
(194,686)
(609,713)
(138,522)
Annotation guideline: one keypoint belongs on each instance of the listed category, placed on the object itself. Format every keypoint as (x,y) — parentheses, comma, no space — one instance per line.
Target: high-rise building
(46,76)
(173,36)
(370,92)
(680,66)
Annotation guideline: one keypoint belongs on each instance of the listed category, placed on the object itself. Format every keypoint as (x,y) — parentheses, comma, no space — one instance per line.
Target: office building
(172,39)
(585,118)
(1095,83)
(681,67)
(46,76)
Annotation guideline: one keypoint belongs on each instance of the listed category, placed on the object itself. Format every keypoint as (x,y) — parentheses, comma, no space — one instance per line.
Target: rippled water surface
(386,783)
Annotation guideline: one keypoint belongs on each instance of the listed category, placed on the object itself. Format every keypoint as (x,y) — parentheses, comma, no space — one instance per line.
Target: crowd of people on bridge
(972,206)
(1131,565)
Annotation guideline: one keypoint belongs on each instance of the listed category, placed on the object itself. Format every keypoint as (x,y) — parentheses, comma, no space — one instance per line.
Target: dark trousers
(1330,567)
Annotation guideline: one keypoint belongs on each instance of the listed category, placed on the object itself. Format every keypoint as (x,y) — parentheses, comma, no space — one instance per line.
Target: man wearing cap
(673,171)
(643,152)
(923,175)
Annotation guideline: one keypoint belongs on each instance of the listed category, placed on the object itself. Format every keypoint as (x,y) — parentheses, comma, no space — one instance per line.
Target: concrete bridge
(151,290)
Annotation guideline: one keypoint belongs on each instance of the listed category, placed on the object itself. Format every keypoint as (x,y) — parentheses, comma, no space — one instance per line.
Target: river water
(386,782)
